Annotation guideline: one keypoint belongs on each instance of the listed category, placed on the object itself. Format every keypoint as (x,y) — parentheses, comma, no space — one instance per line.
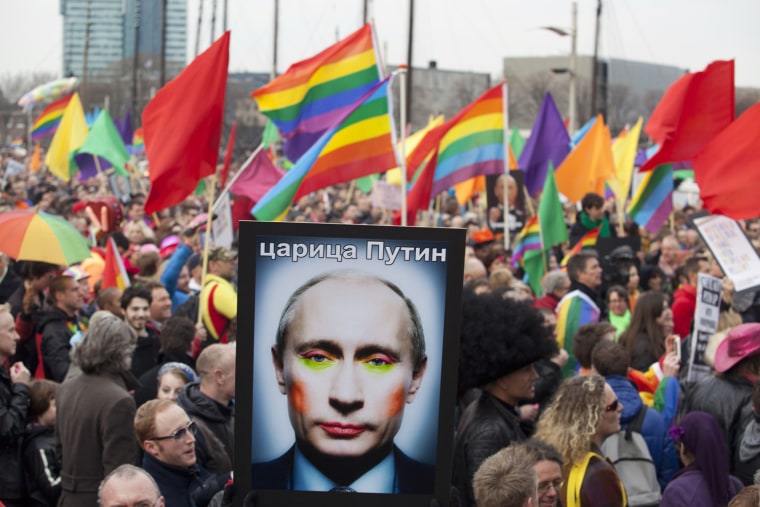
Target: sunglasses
(180,433)
(543,487)
(612,407)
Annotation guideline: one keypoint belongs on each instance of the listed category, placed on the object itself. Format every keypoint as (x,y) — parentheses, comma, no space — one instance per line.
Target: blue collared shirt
(380,479)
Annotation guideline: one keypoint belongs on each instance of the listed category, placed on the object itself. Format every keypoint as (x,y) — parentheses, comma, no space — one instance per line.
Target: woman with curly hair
(584,412)
(651,323)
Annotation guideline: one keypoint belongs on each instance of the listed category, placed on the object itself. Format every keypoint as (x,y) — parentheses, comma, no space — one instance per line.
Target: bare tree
(746,98)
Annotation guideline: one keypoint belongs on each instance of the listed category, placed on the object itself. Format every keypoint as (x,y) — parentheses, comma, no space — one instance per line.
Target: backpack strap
(636,423)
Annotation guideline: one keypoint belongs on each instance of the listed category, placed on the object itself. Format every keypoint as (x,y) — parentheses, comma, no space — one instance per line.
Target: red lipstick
(337,429)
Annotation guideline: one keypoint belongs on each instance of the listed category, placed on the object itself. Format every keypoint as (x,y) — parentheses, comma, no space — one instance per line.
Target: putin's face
(347,367)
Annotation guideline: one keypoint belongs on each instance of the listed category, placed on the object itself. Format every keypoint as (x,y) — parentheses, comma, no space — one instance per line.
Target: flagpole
(238,173)
(209,220)
(402,136)
(505,190)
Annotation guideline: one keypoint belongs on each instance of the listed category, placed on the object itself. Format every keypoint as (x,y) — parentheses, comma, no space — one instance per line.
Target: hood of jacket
(627,394)
(750,446)
(196,403)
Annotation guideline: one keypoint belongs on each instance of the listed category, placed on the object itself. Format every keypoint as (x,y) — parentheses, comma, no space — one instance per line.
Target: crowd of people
(115,397)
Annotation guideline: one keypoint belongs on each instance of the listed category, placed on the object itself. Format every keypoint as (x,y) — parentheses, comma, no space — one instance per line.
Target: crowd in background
(94,378)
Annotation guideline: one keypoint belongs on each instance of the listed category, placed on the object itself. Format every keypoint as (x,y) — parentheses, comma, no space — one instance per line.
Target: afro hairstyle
(499,336)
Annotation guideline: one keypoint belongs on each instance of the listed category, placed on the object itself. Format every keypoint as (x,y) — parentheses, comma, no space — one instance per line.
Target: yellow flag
(34,164)
(393,176)
(70,136)
(624,155)
(589,165)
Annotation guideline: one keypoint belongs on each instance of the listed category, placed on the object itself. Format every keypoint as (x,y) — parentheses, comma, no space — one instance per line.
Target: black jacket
(184,487)
(42,471)
(14,403)
(729,398)
(215,441)
(487,426)
(9,285)
(145,355)
(413,477)
(55,327)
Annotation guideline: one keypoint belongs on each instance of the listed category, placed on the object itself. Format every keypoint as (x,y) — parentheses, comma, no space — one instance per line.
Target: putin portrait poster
(346,363)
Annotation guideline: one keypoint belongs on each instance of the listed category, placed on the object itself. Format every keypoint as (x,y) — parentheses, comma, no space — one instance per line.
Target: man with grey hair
(129,485)
(554,286)
(349,354)
(94,433)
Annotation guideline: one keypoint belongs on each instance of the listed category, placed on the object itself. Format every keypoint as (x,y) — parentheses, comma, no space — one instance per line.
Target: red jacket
(684,304)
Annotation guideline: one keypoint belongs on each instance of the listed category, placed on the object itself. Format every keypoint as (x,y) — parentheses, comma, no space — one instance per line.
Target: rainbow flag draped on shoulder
(314,94)
(48,120)
(574,310)
(361,143)
(529,240)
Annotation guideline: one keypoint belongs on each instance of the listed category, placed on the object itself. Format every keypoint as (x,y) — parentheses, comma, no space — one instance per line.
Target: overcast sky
(458,34)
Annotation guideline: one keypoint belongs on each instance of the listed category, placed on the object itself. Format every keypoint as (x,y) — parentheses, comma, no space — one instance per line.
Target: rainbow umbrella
(37,236)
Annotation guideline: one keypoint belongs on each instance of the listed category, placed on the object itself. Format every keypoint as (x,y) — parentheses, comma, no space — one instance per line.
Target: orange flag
(34,164)
(589,165)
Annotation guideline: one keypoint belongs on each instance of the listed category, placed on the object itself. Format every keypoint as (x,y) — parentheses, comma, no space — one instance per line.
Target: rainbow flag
(314,94)
(588,240)
(528,240)
(48,120)
(653,202)
(361,143)
(114,272)
(138,143)
(468,145)
(573,311)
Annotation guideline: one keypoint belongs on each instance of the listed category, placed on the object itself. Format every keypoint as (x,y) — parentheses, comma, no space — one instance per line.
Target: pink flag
(257,177)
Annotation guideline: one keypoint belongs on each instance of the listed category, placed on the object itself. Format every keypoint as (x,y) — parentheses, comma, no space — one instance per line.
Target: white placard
(731,248)
(705,324)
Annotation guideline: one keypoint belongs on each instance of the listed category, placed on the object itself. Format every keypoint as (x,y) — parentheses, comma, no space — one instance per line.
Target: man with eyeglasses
(547,463)
(129,486)
(167,435)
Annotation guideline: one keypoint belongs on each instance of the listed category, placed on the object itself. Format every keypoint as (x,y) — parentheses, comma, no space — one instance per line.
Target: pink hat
(741,342)
(168,245)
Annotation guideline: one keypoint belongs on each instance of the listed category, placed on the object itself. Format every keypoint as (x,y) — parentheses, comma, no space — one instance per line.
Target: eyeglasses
(543,487)
(180,433)
(612,406)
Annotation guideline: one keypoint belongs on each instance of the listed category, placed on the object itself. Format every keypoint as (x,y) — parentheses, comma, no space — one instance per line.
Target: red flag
(182,127)
(726,169)
(114,273)
(228,155)
(693,110)
(418,197)
(256,178)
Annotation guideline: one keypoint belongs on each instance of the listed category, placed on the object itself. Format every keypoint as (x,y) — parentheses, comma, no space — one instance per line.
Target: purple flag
(548,142)
(124,126)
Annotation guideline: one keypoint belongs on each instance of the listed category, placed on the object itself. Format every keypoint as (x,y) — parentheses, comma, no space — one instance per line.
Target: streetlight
(572,71)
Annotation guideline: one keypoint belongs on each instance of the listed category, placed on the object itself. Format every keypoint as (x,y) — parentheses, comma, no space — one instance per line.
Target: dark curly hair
(499,336)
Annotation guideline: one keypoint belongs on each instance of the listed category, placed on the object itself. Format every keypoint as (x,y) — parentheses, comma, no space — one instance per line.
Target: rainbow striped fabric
(468,145)
(573,311)
(48,120)
(361,143)
(528,240)
(653,202)
(314,94)
(114,272)
(138,142)
(588,240)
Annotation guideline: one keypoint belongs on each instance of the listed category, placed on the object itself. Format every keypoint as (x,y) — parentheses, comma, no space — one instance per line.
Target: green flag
(534,267)
(517,143)
(270,135)
(105,141)
(550,216)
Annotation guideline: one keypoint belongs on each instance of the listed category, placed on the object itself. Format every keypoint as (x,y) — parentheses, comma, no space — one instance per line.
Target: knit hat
(499,336)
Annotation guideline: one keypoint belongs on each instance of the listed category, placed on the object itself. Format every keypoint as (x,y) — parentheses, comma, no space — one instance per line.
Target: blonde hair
(506,479)
(570,422)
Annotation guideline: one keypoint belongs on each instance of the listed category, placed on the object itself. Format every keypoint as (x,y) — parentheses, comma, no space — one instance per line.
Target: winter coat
(487,426)
(14,403)
(747,456)
(727,397)
(184,487)
(689,488)
(215,441)
(94,433)
(145,355)
(56,328)
(654,429)
(42,470)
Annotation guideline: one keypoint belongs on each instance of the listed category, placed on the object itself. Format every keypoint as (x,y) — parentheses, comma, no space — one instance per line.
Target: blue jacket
(654,429)
(171,274)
